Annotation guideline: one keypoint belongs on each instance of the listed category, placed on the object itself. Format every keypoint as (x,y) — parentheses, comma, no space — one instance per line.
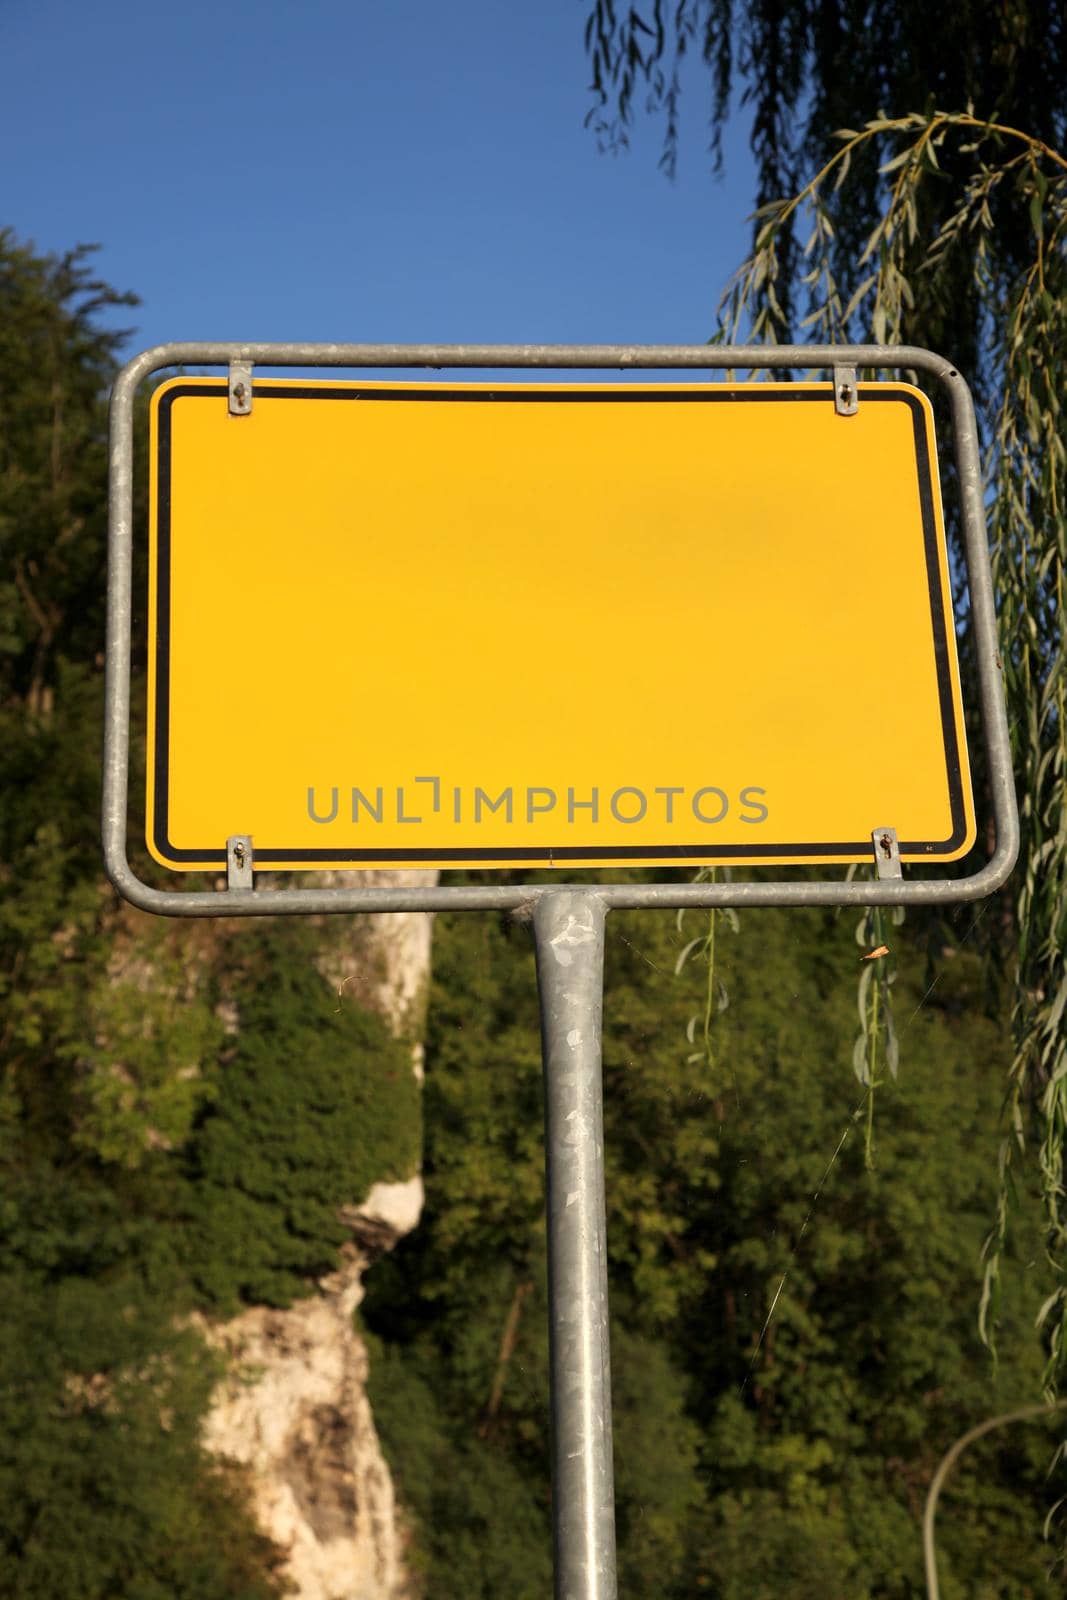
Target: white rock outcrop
(293,1408)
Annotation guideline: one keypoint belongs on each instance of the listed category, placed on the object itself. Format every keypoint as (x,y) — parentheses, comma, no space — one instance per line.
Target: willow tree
(912,188)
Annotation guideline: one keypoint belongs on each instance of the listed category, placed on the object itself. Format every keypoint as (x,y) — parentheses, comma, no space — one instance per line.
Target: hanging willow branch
(876,1047)
(1002,239)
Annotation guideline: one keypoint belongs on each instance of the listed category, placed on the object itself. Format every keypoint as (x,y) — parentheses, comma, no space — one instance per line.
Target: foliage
(314,1103)
(787,1370)
(55,363)
(809,68)
(103,1489)
(1025,335)
(483,1524)
(944,228)
(152,1159)
(876,1043)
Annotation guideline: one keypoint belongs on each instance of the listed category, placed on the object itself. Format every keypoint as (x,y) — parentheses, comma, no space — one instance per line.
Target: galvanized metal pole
(569,934)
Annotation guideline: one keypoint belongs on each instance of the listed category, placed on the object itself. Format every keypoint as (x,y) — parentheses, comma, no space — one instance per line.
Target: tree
(181,1113)
(105,1488)
(935,213)
(786,1370)
(810,67)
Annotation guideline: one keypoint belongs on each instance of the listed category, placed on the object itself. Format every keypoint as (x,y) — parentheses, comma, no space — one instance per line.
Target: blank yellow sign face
(550,625)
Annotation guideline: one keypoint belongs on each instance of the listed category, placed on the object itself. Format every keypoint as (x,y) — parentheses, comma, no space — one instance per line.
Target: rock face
(293,1408)
(381,962)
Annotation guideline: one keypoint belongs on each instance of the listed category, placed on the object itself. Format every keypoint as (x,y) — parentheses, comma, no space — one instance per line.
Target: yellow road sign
(549,625)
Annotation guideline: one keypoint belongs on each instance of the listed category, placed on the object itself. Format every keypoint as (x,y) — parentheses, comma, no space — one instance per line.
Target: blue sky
(341,170)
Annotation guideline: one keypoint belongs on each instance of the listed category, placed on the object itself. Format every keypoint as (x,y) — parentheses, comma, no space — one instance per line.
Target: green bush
(314,1103)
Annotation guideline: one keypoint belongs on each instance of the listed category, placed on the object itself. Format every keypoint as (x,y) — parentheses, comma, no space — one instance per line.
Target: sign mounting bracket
(239,860)
(846,394)
(886,853)
(239,387)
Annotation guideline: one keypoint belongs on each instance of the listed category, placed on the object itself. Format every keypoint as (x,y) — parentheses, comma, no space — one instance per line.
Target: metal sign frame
(842,361)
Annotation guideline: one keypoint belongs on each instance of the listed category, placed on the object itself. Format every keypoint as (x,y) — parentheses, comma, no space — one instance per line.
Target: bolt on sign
(582,624)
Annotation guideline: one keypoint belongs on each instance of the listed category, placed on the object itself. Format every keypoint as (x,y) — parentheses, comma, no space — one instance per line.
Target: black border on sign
(636,854)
